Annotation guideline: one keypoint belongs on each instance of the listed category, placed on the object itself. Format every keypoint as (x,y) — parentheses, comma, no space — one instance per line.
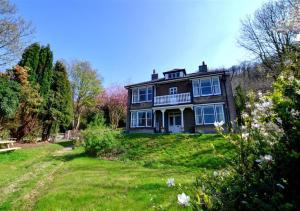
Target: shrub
(265,173)
(100,141)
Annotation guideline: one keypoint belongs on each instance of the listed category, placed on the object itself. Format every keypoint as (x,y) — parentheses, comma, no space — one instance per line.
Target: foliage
(100,141)
(85,86)
(15,32)
(44,71)
(240,103)
(30,102)
(115,99)
(286,98)
(30,60)
(9,97)
(58,112)
(268,153)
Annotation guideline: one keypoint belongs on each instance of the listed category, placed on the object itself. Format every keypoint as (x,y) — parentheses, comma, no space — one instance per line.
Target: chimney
(154,75)
(203,67)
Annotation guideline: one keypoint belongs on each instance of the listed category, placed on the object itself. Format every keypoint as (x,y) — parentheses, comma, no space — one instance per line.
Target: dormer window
(173,74)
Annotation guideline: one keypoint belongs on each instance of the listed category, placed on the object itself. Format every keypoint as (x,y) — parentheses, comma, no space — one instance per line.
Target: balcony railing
(172,99)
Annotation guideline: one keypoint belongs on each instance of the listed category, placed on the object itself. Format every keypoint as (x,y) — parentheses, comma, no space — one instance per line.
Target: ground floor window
(209,113)
(141,118)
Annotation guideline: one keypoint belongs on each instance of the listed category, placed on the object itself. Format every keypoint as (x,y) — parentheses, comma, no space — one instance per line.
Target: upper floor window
(143,94)
(207,86)
(173,90)
(174,75)
(141,118)
(208,114)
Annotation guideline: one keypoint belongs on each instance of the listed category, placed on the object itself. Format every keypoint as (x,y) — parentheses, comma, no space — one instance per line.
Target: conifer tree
(44,70)
(30,60)
(59,107)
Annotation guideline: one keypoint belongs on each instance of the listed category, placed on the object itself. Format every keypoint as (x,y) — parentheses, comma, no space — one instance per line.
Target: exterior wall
(141,130)
(205,129)
(189,120)
(182,87)
(231,112)
(189,116)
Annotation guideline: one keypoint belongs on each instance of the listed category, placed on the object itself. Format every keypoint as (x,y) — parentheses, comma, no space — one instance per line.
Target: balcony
(172,99)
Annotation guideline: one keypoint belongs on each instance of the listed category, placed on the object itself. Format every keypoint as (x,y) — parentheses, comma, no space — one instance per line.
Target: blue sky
(126,39)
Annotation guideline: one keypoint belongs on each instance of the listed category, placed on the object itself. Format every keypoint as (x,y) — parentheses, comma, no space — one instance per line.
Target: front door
(175,122)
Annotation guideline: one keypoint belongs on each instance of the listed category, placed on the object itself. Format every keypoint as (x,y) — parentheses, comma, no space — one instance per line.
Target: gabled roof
(187,76)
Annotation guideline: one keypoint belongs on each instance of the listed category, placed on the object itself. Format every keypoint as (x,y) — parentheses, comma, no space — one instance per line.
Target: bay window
(141,118)
(209,113)
(206,86)
(143,94)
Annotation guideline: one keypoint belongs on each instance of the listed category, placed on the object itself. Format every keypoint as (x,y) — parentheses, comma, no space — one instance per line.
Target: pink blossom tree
(114,98)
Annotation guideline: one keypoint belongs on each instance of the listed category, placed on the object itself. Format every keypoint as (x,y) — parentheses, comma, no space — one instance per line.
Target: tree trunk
(77,122)
(46,132)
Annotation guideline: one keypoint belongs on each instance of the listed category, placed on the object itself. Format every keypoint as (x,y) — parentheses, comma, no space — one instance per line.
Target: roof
(187,76)
(175,70)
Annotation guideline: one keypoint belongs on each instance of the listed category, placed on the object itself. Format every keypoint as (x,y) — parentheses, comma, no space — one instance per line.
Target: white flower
(218,124)
(259,93)
(245,115)
(295,113)
(171,182)
(298,38)
(291,78)
(280,186)
(266,158)
(215,173)
(256,125)
(279,120)
(248,105)
(183,199)
(245,135)
(266,104)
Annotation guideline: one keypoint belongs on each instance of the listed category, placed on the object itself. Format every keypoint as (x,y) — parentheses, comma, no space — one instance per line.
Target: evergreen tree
(44,71)
(59,110)
(39,60)
(9,99)
(30,59)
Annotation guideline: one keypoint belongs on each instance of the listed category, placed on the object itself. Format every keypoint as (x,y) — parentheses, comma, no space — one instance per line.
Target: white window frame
(138,93)
(201,106)
(173,91)
(200,81)
(136,125)
(197,89)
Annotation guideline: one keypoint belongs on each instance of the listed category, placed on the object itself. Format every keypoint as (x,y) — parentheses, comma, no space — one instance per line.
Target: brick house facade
(181,102)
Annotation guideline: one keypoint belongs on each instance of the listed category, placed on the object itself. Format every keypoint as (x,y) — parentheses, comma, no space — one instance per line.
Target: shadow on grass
(66,143)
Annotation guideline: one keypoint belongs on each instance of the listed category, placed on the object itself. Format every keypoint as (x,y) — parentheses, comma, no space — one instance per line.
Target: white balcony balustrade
(172,99)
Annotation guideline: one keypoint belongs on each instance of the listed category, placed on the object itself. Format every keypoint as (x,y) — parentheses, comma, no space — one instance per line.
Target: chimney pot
(203,67)
(154,75)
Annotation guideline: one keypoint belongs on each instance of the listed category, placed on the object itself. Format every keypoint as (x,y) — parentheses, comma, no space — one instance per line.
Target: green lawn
(50,178)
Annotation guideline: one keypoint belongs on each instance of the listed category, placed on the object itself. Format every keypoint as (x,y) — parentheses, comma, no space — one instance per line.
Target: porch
(174,119)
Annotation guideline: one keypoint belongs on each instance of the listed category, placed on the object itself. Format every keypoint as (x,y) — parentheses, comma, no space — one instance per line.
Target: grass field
(52,178)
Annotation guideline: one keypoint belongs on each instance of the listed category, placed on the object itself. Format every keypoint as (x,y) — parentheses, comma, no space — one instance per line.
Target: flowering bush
(264,174)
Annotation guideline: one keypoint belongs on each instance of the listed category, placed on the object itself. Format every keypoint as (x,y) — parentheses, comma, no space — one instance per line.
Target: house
(181,102)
